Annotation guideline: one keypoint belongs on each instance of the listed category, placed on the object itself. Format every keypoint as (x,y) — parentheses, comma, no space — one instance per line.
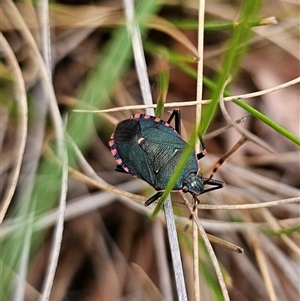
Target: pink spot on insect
(119,161)
(136,115)
(157,119)
(114,151)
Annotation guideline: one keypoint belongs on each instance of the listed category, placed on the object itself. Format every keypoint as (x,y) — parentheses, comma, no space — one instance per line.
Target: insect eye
(185,189)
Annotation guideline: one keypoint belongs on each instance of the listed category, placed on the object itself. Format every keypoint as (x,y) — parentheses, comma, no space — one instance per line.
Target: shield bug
(149,148)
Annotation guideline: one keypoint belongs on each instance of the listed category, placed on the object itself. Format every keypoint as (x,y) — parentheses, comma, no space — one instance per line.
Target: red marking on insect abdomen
(119,161)
(136,115)
(114,151)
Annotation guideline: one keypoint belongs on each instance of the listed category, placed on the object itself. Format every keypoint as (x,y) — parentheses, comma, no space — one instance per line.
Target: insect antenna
(225,157)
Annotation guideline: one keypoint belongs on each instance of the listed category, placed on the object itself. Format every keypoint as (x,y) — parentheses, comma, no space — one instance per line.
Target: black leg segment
(153,198)
(177,114)
(203,151)
(216,183)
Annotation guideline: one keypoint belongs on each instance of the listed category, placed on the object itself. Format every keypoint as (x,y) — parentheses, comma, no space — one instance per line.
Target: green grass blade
(232,60)
(284,132)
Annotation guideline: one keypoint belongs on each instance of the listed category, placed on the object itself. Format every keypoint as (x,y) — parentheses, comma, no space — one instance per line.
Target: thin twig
(163,267)
(201,12)
(58,233)
(59,224)
(211,254)
(139,57)
(250,206)
(193,103)
(262,262)
(20,285)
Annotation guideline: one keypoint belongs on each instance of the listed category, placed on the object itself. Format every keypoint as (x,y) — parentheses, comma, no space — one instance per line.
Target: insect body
(150,149)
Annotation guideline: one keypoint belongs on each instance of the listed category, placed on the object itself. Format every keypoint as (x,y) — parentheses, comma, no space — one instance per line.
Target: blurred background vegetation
(111,248)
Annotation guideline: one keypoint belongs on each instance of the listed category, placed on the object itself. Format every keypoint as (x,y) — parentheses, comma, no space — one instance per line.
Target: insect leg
(227,155)
(204,151)
(216,183)
(177,114)
(153,198)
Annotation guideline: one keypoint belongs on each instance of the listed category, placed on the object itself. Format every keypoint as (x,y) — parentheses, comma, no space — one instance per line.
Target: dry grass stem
(21,128)
(193,103)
